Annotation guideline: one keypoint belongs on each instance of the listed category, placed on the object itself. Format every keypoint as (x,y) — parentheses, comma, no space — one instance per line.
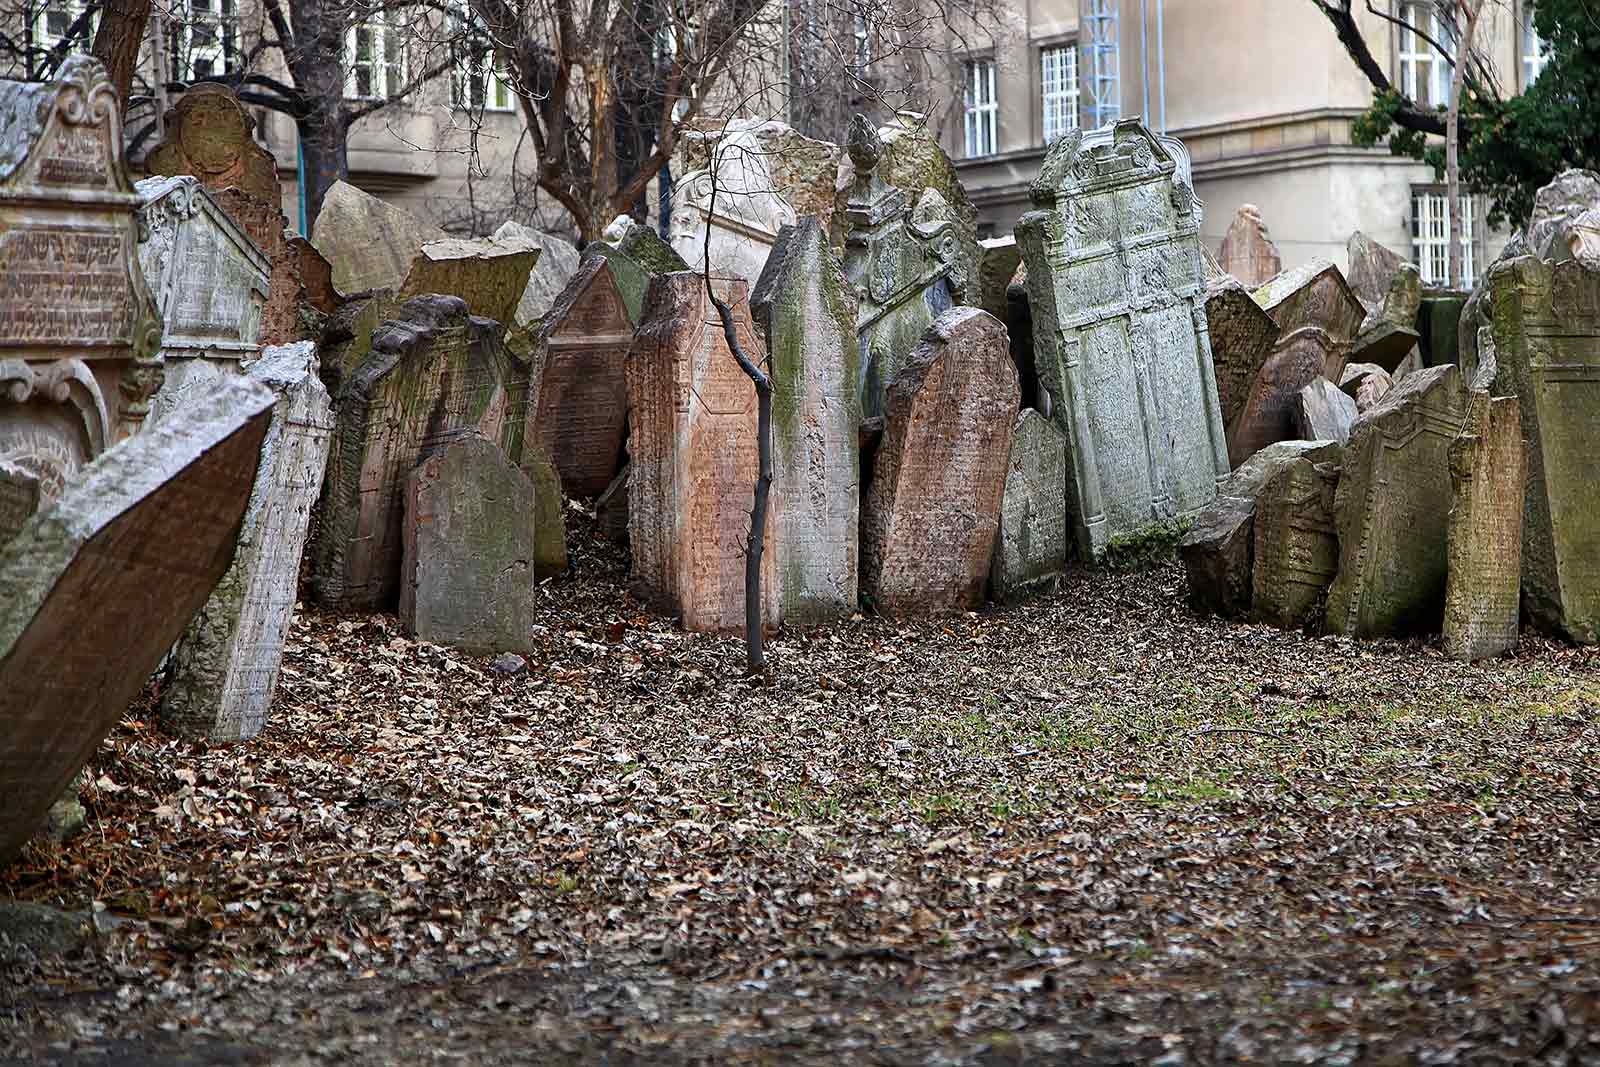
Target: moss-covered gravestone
(637,255)
(1488,476)
(489,273)
(1296,547)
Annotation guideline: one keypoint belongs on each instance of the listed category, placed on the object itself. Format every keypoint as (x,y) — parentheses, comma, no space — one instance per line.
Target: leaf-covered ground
(1090,829)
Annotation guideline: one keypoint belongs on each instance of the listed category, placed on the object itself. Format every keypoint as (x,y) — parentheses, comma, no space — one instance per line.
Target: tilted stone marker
(1365,383)
(224,670)
(80,334)
(1392,508)
(1488,476)
(347,336)
(557,263)
(1120,334)
(637,255)
(1218,551)
(1268,414)
(1372,270)
(693,457)
(1242,337)
(578,393)
(94,590)
(1388,334)
(1323,412)
(1247,252)
(1316,294)
(933,506)
(807,315)
(489,273)
(371,244)
(467,577)
(1030,547)
(434,373)
(999,258)
(1296,546)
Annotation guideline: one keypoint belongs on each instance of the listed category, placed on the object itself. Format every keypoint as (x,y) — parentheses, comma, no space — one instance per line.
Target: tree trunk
(117,41)
(323,140)
(1470,10)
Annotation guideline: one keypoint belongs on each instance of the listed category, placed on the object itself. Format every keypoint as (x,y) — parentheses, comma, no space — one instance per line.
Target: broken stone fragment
(1323,412)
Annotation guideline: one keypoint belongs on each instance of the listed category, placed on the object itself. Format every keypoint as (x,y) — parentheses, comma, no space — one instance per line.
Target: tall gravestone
(434,373)
(1120,334)
(1247,252)
(94,590)
(80,333)
(906,270)
(1297,544)
(1488,475)
(1392,508)
(224,670)
(807,314)
(693,456)
(932,509)
(1030,547)
(1242,337)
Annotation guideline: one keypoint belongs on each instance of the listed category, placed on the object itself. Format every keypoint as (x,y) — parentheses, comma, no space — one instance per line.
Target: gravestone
(434,373)
(907,271)
(932,509)
(693,457)
(1030,546)
(369,243)
(1268,415)
(489,273)
(467,576)
(637,254)
(1392,508)
(1247,252)
(1218,550)
(1372,270)
(224,670)
(807,316)
(1323,412)
(1488,477)
(1546,339)
(1120,334)
(1315,294)
(578,395)
(1365,383)
(347,335)
(210,282)
(94,590)
(1296,543)
(549,513)
(20,497)
(80,334)
(557,263)
(999,258)
(1242,337)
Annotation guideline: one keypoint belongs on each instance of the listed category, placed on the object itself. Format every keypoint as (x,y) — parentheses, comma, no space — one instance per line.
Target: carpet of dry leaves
(1090,829)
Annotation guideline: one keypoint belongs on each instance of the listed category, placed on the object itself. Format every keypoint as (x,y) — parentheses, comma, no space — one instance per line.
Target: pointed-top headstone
(1247,252)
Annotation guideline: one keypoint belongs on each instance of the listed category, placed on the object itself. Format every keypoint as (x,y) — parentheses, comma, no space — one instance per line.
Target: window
(863,41)
(481,82)
(1424,71)
(208,38)
(55,17)
(1430,237)
(1058,83)
(1533,53)
(376,59)
(983,113)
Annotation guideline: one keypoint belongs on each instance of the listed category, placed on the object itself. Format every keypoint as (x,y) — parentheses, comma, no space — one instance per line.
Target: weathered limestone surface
(1365,383)
(1268,414)
(434,373)
(209,136)
(1546,338)
(1247,252)
(803,171)
(932,510)
(302,294)
(94,590)
(557,263)
(1388,333)
(467,576)
(224,670)
(693,456)
(1392,508)
(347,335)
(1556,209)
(549,513)
(1120,334)
(1218,550)
(807,315)
(1323,412)
(999,258)
(1242,336)
(1315,294)
(1296,546)
(637,254)
(578,394)
(1031,545)
(371,244)
(489,273)
(1488,476)
(1372,269)
(80,333)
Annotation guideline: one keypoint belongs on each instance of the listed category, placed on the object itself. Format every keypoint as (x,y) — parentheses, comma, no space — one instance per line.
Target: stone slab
(94,590)
(489,273)
(1268,415)
(932,509)
(1247,252)
(1324,412)
(557,263)
(1242,337)
(1296,543)
(370,244)
(211,137)
(1314,294)
(221,676)
(1384,344)
(1372,269)
(999,258)
(637,255)
(302,294)
(1488,478)
(611,509)
(1365,383)
(1030,547)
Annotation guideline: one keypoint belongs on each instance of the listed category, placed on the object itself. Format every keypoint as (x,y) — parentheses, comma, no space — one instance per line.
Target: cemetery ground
(1091,828)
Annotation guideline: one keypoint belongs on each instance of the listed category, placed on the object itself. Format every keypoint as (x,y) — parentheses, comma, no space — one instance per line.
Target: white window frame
(982,109)
(223,15)
(481,83)
(387,65)
(1430,236)
(1531,45)
(1424,70)
(44,40)
(1058,89)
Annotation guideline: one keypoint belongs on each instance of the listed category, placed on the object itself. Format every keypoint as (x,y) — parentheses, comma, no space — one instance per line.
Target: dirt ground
(1090,829)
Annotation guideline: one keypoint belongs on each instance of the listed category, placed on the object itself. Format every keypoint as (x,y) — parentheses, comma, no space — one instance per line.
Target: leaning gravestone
(434,373)
(557,263)
(1392,508)
(210,281)
(1488,475)
(1242,337)
(370,244)
(999,258)
(932,509)
(1120,334)
(1372,270)
(807,314)
(100,585)
(80,334)
(467,576)
(1296,546)
(1247,252)
(1315,294)
(1268,414)
(1365,383)
(1323,412)
(1388,333)
(693,456)
(224,670)
(637,254)
(578,393)
(489,273)
(1030,546)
